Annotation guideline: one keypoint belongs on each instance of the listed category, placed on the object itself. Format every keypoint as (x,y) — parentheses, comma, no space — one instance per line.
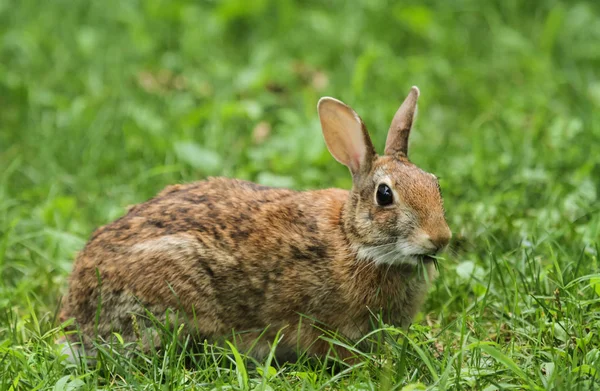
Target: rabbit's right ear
(397,138)
(345,135)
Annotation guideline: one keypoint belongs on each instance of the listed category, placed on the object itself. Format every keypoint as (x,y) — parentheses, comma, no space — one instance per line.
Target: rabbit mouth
(425,258)
(389,254)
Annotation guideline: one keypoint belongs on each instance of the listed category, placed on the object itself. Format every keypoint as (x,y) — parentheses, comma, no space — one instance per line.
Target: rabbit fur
(234,256)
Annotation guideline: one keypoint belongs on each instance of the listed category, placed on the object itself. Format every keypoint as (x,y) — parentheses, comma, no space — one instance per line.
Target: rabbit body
(238,256)
(234,256)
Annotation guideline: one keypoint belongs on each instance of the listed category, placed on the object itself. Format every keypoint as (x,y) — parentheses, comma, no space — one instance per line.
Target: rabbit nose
(440,240)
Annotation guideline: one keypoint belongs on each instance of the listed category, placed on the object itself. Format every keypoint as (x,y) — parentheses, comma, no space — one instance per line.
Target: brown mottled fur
(232,255)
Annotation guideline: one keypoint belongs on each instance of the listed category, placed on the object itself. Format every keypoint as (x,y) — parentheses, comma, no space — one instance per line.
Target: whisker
(364,267)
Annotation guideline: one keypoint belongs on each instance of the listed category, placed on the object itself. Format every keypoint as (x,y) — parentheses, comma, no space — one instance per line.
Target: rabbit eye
(384,195)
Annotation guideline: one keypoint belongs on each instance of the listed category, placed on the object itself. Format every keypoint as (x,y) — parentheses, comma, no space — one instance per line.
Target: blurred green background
(104,103)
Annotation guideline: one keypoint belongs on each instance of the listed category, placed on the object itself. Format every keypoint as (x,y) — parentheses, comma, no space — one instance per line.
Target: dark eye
(384,195)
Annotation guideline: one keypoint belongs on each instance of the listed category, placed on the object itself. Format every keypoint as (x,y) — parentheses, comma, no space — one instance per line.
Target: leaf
(585,369)
(59,207)
(551,30)
(308,376)
(268,374)
(205,160)
(560,333)
(15,384)
(547,369)
(414,387)
(465,269)
(240,367)
(61,384)
(75,384)
(593,355)
(504,360)
(595,284)
(418,18)
(119,338)
(594,93)
(360,386)
(424,358)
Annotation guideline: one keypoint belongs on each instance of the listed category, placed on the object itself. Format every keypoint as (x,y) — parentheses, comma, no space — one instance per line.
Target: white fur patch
(389,254)
(174,245)
(164,244)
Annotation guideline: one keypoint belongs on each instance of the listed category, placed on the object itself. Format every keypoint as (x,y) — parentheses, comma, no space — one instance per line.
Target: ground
(102,104)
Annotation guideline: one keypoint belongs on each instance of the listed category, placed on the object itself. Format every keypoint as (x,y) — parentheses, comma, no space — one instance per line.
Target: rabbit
(237,257)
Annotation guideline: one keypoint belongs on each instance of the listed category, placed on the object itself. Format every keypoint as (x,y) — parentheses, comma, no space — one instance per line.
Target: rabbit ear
(345,135)
(397,138)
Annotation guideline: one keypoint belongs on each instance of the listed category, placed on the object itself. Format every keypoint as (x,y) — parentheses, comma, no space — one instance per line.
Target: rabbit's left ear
(397,138)
(346,136)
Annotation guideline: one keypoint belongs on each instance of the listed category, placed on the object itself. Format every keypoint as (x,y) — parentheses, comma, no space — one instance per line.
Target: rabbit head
(395,212)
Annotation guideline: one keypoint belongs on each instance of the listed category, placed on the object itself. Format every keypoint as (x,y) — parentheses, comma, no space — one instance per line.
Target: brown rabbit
(234,256)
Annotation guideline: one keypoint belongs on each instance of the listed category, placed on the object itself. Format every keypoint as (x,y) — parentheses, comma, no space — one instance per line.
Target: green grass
(102,104)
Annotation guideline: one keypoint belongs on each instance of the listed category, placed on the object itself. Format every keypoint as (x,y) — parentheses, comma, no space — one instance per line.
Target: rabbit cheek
(388,223)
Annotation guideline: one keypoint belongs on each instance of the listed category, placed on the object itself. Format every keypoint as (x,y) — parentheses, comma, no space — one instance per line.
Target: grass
(102,104)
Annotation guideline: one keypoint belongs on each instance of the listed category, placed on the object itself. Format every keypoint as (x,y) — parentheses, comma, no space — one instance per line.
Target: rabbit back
(231,254)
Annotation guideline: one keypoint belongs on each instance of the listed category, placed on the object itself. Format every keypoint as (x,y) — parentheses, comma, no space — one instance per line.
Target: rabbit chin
(397,253)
